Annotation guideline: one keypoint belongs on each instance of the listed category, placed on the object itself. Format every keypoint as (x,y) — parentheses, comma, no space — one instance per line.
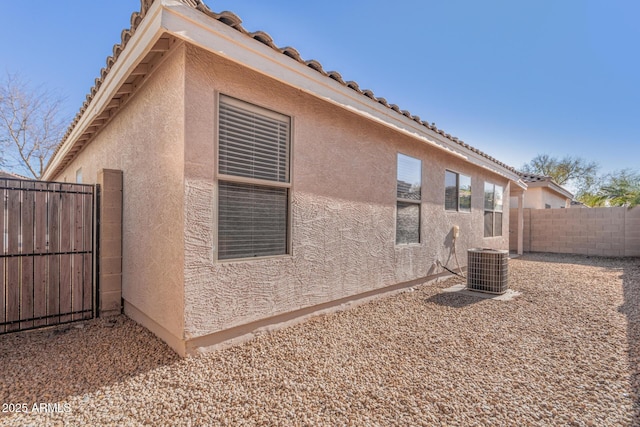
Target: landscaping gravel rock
(564,352)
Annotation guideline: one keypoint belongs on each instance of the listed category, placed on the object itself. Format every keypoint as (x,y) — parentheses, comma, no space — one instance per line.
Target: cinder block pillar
(110,243)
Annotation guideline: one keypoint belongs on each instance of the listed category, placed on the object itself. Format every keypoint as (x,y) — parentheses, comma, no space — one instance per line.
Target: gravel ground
(565,352)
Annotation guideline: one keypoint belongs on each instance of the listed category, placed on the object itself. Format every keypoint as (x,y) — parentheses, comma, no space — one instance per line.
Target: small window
(547,206)
(79,176)
(492,210)
(409,196)
(457,192)
(253,181)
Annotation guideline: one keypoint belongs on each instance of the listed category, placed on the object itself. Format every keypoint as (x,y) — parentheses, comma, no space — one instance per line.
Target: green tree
(592,199)
(31,126)
(621,188)
(572,171)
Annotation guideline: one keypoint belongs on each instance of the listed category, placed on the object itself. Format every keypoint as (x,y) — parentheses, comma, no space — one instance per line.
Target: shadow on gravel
(631,309)
(589,260)
(453,299)
(51,365)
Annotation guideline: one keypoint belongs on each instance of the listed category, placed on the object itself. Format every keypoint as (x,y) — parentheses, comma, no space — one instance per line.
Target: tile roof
(233,21)
(534,180)
(530,177)
(11,175)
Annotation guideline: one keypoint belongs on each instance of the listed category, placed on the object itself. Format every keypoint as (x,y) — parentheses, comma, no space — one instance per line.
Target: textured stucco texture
(145,141)
(343,203)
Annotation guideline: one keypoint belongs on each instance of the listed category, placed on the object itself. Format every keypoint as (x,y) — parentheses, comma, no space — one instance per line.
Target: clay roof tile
(233,21)
(291,53)
(263,38)
(336,76)
(353,85)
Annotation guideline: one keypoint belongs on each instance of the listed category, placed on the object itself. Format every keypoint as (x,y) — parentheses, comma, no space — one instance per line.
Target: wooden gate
(46,254)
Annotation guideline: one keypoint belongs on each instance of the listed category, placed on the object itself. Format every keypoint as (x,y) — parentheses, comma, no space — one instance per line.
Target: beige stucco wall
(538,197)
(343,206)
(145,141)
(343,200)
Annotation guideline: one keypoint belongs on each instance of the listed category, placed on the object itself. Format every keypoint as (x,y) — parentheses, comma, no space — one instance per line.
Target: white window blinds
(253,143)
(252,220)
(253,172)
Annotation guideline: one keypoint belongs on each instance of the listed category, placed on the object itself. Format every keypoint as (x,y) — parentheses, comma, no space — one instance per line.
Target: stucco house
(258,188)
(542,192)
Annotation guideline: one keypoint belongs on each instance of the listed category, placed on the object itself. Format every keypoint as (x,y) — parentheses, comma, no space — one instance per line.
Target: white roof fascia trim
(523,185)
(560,190)
(552,186)
(143,39)
(203,31)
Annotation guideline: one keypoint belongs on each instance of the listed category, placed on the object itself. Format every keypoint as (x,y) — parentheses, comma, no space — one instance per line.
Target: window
(492,210)
(79,176)
(457,192)
(409,195)
(253,180)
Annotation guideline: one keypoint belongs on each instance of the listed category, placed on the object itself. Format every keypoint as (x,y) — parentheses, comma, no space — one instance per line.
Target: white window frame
(457,208)
(266,111)
(402,200)
(493,210)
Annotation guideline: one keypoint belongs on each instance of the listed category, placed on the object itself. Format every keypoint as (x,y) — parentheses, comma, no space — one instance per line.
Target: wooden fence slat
(87,296)
(40,263)
(53,229)
(13,264)
(3,282)
(87,258)
(26,289)
(66,277)
(77,287)
(88,222)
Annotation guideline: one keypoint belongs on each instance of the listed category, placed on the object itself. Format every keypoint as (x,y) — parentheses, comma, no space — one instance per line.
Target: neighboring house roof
(94,123)
(11,175)
(533,181)
(576,203)
(529,177)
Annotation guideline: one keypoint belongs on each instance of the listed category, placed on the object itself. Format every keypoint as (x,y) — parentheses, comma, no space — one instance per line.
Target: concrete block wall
(611,231)
(632,232)
(110,243)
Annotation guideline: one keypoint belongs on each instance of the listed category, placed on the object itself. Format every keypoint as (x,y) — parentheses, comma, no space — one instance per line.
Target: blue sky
(511,78)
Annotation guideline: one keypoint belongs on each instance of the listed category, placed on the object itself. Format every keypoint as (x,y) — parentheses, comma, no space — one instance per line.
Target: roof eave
(552,186)
(200,28)
(221,39)
(141,42)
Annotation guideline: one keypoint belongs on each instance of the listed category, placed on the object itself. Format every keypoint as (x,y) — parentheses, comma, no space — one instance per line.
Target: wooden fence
(46,253)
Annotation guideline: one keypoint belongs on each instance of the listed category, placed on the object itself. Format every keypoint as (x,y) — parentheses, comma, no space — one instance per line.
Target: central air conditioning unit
(488,270)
